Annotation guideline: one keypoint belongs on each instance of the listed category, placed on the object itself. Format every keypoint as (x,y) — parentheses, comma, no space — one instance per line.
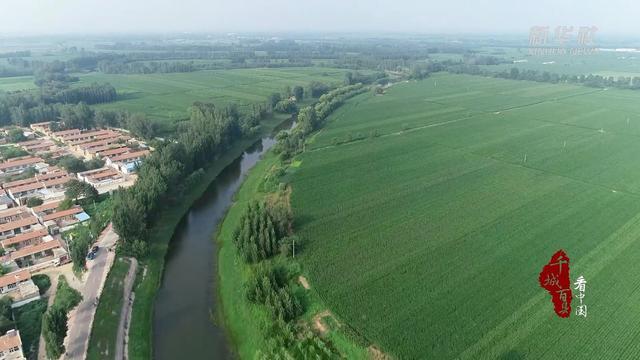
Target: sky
(28,17)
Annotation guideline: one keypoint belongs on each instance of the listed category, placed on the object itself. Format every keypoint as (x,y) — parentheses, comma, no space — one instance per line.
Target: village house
(41,255)
(26,239)
(51,174)
(61,135)
(46,208)
(18,165)
(113,152)
(123,162)
(14,214)
(5,200)
(93,152)
(42,127)
(102,176)
(37,146)
(11,346)
(19,286)
(48,189)
(17,227)
(110,136)
(63,220)
(75,139)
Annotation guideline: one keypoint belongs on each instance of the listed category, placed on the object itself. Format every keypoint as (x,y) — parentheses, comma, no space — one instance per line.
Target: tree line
(311,117)
(591,80)
(263,235)
(27,107)
(163,175)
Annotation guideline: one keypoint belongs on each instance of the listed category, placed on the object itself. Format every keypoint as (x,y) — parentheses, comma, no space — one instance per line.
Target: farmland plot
(167,96)
(428,240)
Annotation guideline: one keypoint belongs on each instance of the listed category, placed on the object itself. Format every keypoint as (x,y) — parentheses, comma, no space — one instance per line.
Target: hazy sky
(429,16)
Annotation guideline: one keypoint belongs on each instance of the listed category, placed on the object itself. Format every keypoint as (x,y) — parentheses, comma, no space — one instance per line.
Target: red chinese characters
(555,279)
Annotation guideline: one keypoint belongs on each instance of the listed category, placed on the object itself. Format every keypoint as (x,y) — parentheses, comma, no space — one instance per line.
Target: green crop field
(167,96)
(604,63)
(428,238)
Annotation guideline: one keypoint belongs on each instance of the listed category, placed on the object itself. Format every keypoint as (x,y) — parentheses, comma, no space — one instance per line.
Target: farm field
(166,97)
(604,63)
(429,237)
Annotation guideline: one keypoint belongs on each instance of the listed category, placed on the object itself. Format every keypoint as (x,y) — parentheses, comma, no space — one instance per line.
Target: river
(185,305)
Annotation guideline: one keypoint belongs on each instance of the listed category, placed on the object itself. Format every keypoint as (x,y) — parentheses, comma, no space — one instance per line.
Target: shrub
(42,281)
(34,201)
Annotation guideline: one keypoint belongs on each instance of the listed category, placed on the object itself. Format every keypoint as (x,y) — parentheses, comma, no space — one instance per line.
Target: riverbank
(245,322)
(250,327)
(149,277)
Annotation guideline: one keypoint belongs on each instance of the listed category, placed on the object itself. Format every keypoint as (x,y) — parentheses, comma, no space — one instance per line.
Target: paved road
(125,312)
(81,319)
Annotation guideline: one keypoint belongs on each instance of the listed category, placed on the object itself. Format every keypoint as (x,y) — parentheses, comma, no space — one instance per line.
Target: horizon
(76,17)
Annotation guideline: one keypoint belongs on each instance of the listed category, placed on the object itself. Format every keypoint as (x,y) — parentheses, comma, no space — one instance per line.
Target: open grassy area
(148,279)
(17,83)
(166,97)
(104,331)
(428,239)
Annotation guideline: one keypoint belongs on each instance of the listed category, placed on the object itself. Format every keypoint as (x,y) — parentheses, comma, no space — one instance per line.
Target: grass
(66,297)
(148,279)
(104,331)
(17,83)
(429,238)
(29,322)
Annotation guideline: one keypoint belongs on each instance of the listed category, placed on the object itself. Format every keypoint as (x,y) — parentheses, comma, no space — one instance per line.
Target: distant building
(11,346)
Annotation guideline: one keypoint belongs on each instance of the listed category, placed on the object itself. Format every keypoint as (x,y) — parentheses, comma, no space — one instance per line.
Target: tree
(54,330)
(140,126)
(76,116)
(273,100)
(16,135)
(129,218)
(317,89)
(78,249)
(286,106)
(72,164)
(65,204)
(515,73)
(75,189)
(298,92)
(34,201)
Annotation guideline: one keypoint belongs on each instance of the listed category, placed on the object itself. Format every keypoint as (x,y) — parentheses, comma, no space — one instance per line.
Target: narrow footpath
(125,313)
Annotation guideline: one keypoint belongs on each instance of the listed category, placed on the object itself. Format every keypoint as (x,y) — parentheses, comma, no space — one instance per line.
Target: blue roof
(132,165)
(83,216)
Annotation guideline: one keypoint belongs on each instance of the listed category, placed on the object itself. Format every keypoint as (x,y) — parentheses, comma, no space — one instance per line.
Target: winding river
(184,313)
